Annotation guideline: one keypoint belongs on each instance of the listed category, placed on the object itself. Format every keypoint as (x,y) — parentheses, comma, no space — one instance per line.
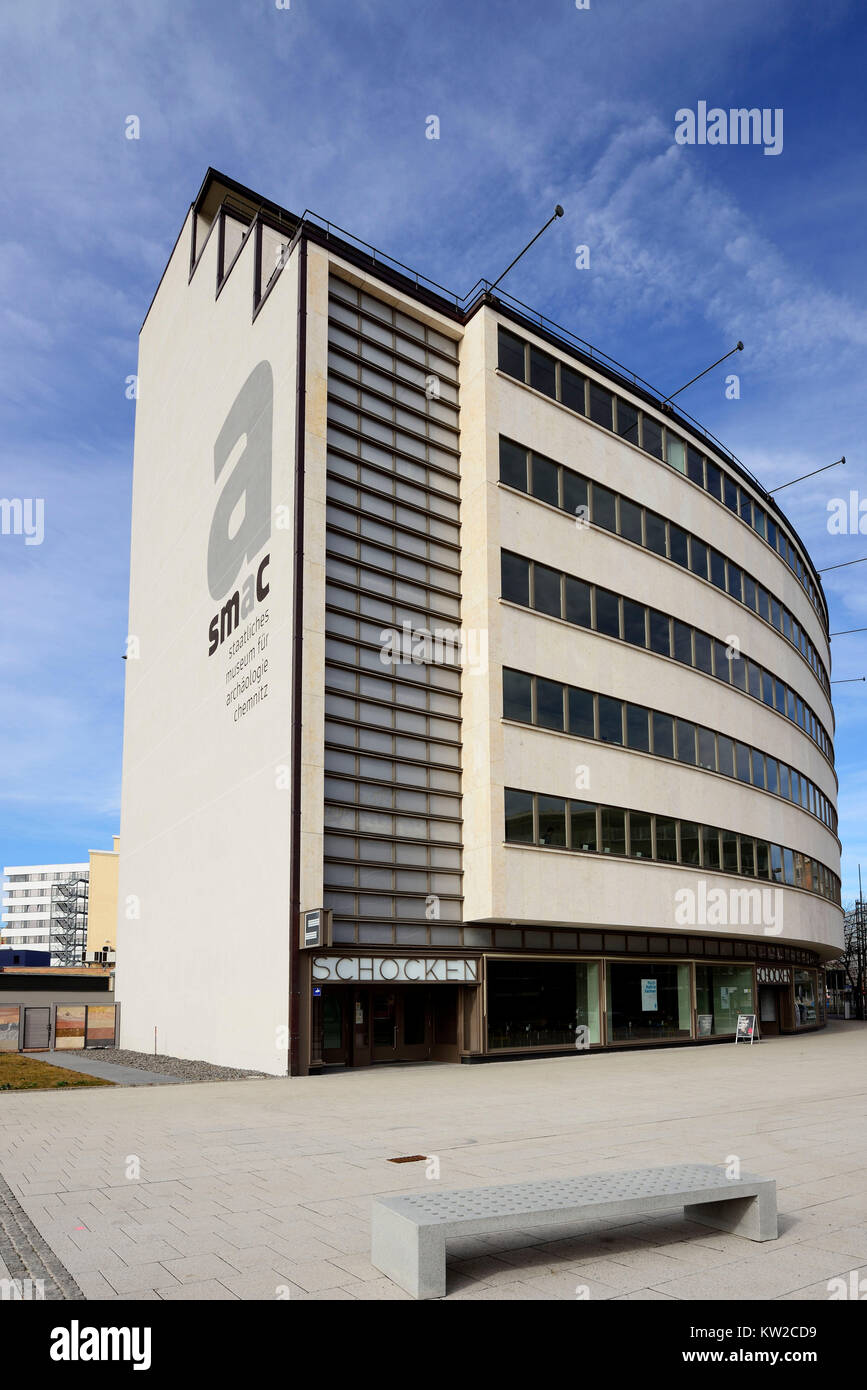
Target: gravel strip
(172,1066)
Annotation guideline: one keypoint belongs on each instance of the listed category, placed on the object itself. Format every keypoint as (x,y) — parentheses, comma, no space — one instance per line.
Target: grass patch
(21,1073)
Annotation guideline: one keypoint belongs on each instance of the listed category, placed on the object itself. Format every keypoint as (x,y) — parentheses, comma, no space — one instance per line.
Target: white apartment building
(45,908)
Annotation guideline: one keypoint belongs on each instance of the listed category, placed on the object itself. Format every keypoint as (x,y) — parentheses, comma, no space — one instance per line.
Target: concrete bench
(409,1234)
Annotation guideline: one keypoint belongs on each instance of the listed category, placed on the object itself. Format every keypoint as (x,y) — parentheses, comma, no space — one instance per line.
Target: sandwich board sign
(746,1030)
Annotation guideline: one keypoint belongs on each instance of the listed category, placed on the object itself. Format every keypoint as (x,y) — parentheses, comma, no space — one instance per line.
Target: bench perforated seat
(409,1233)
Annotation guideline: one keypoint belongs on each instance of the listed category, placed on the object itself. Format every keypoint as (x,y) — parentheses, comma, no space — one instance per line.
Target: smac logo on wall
(240,530)
(248,423)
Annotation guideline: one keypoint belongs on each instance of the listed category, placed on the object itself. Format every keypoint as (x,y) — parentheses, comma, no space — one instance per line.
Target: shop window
(517,701)
(582,818)
(519,817)
(513,465)
(542,1003)
(648,1001)
(805,998)
(721,993)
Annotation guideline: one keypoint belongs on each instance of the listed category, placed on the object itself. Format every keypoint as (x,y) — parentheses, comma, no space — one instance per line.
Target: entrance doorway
(775,1010)
(365,1024)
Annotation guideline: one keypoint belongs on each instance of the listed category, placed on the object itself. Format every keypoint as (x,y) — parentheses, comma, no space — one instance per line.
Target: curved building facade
(500,718)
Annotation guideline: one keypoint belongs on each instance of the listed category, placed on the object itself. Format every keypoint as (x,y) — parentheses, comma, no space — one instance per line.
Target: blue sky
(323,105)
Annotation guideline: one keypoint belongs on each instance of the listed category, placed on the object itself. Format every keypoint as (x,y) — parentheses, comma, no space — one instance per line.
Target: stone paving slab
(259,1189)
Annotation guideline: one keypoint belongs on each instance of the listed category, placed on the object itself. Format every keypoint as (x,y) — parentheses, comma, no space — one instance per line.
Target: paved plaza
(262,1189)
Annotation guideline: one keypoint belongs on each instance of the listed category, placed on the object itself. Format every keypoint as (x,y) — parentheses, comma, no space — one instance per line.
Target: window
(607,613)
(707,749)
(651,439)
(773,782)
(545,476)
(675,452)
(678,545)
(549,704)
(721,666)
(703,653)
(754,678)
(575,494)
(519,817)
(776,864)
(639,835)
(552,821)
(714,481)
(546,590)
(735,582)
(718,569)
(578,602)
(630,521)
(698,558)
(666,840)
(750,598)
(730,851)
(627,421)
(613,830)
(516,578)
(710,847)
(538,1003)
(742,762)
(663,735)
(685,742)
(689,853)
(601,405)
(660,633)
(572,388)
(694,466)
(582,818)
(604,508)
(758,768)
(513,465)
(610,720)
(516,696)
(543,375)
(648,1002)
(634,623)
(637,728)
(748,857)
(655,533)
(731,495)
(581,713)
(511,354)
(682,642)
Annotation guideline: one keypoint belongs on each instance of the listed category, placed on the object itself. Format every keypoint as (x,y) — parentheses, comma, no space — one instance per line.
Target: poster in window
(649,1000)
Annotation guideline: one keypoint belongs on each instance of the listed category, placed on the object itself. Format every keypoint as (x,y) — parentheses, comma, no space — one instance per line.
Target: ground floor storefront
(367,1008)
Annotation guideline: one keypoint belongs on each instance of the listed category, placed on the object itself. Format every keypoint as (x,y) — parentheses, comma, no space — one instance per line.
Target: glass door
(384,1013)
